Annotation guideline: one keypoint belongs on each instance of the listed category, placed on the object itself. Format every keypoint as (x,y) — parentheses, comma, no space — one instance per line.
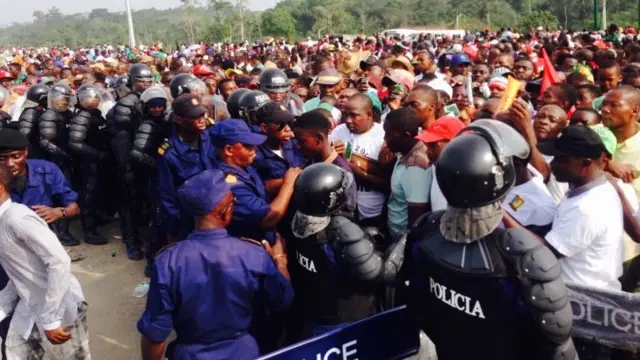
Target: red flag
(549,75)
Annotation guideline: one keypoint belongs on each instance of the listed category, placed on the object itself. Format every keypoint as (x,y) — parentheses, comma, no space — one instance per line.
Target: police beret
(11,139)
(234,131)
(273,113)
(188,105)
(203,192)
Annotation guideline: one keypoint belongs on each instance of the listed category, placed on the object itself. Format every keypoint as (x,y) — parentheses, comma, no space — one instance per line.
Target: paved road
(108,283)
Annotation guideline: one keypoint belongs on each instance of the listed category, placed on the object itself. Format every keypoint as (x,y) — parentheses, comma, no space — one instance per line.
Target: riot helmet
(140,76)
(88,97)
(154,97)
(233,103)
(60,98)
(186,84)
(321,189)
(121,86)
(274,82)
(476,168)
(36,95)
(249,104)
(514,144)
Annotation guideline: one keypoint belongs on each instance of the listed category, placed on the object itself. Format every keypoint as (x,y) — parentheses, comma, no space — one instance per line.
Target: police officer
(154,130)
(28,121)
(39,184)
(54,140)
(468,276)
(254,216)
(185,154)
(233,103)
(279,151)
(249,104)
(209,286)
(122,122)
(275,83)
(337,271)
(88,141)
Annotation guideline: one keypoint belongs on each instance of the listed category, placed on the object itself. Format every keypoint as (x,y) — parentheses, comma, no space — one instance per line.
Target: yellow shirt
(628,153)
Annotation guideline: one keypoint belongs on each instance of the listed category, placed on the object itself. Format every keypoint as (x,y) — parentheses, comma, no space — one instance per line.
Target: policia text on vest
(456,300)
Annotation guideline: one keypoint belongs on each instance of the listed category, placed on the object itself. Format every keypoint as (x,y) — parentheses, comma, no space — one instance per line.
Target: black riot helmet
(321,189)
(37,95)
(233,102)
(249,103)
(476,168)
(186,84)
(273,80)
(140,77)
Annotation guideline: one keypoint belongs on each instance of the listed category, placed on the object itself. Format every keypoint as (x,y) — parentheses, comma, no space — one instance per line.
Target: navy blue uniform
(46,185)
(177,163)
(251,203)
(206,288)
(271,166)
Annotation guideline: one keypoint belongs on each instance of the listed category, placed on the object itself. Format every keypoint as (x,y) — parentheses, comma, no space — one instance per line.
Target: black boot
(65,237)
(93,238)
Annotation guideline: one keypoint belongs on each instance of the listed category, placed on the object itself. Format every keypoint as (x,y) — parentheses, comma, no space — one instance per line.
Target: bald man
(620,109)
(424,101)
(504,60)
(549,122)
(488,110)
(361,141)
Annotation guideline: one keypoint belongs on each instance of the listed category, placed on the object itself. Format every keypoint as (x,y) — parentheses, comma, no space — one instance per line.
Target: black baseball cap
(576,141)
(188,105)
(11,140)
(273,113)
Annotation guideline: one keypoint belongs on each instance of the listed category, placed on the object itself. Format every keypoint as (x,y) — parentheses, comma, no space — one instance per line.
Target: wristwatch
(64,212)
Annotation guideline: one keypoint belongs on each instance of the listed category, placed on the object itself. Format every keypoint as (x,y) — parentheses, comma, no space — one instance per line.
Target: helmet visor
(510,140)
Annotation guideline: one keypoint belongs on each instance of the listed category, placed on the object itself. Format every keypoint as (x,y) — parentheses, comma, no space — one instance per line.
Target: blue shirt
(177,163)
(271,166)
(207,288)
(251,203)
(46,185)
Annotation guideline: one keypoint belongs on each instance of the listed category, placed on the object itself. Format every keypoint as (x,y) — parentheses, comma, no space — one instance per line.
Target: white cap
(441,85)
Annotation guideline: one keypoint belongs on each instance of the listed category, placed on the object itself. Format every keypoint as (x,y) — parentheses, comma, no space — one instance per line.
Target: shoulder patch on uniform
(164,248)
(165,145)
(516,203)
(230,179)
(253,241)
(210,122)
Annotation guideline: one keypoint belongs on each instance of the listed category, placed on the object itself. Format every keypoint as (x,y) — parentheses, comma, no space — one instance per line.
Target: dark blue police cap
(234,131)
(203,192)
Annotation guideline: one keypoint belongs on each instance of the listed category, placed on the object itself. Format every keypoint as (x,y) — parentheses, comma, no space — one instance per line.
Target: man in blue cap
(186,153)
(279,151)
(216,278)
(460,64)
(254,216)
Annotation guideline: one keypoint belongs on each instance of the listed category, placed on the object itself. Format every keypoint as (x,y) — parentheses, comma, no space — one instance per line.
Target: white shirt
(41,288)
(587,230)
(530,203)
(368,144)
(556,189)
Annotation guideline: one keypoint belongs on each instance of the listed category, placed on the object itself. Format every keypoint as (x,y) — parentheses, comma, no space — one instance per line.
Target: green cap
(608,138)
(377,104)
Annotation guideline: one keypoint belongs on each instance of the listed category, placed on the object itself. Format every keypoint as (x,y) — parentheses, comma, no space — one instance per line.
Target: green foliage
(538,18)
(221,20)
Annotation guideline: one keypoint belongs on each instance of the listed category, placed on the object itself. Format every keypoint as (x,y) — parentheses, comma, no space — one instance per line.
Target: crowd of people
(291,190)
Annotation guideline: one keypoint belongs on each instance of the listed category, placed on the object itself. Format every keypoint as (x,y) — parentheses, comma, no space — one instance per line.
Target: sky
(21,10)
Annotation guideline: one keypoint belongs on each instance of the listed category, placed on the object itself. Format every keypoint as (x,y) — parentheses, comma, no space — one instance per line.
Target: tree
(279,22)
(538,18)
(99,13)
(39,16)
(54,13)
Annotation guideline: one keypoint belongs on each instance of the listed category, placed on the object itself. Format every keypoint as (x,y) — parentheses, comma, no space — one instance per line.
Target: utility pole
(132,36)
(595,14)
(604,14)
(240,5)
